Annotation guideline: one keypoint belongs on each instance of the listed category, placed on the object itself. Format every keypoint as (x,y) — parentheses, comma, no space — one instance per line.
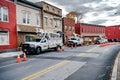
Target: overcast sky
(99,12)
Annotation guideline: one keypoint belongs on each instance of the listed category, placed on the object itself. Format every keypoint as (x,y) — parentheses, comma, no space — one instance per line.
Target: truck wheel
(38,50)
(55,48)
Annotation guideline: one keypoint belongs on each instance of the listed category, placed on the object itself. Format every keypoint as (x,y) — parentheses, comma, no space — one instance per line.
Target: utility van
(45,42)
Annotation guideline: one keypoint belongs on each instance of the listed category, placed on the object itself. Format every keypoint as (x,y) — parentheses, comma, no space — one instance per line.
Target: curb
(114,72)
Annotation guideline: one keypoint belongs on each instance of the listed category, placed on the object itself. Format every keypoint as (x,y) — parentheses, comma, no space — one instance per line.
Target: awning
(61,32)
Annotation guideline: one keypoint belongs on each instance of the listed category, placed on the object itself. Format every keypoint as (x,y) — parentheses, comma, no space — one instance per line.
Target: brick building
(51,17)
(113,33)
(89,31)
(68,28)
(8,34)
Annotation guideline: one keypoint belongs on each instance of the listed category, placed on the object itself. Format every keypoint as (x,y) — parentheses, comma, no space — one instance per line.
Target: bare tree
(75,16)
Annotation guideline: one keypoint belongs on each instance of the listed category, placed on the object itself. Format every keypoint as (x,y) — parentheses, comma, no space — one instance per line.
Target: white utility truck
(44,42)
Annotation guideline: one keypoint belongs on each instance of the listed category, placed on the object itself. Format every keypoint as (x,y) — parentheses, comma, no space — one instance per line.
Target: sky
(98,12)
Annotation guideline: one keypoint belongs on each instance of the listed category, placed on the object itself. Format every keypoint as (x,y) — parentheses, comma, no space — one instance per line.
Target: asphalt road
(83,63)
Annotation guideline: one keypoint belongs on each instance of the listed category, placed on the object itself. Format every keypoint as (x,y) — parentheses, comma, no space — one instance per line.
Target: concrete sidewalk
(10,54)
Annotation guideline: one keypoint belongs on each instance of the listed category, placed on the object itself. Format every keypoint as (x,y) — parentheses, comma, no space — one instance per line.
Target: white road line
(91,49)
(88,55)
(13,64)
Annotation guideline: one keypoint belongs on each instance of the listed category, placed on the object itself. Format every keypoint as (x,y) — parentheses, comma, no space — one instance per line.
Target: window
(53,10)
(3,14)
(38,20)
(26,17)
(51,22)
(4,38)
(65,28)
(47,8)
(45,21)
(57,23)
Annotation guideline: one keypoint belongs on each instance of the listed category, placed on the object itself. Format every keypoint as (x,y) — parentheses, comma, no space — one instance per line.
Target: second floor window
(51,22)
(45,21)
(26,17)
(3,14)
(38,20)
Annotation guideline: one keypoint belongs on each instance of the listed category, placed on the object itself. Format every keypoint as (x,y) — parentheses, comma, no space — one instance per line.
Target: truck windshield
(38,40)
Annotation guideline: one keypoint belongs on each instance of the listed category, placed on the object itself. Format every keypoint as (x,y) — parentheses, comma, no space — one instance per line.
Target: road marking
(13,64)
(35,75)
(62,72)
(91,49)
(87,55)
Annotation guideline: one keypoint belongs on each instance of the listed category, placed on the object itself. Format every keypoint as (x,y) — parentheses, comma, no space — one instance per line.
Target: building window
(53,10)
(3,14)
(29,38)
(65,28)
(45,21)
(26,17)
(47,8)
(73,28)
(4,38)
(38,20)
(57,23)
(51,22)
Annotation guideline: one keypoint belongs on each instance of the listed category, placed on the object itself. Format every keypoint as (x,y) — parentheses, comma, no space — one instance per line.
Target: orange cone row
(19,59)
(62,49)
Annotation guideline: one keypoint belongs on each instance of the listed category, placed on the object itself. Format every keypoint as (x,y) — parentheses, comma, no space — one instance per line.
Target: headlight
(32,45)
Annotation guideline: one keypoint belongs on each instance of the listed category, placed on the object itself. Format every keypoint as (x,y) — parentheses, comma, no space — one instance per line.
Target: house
(8,34)
(28,20)
(112,33)
(68,28)
(52,17)
(89,31)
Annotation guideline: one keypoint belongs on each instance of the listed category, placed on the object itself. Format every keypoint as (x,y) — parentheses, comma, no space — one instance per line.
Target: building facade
(112,33)
(68,28)
(28,20)
(52,17)
(89,31)
(8,34)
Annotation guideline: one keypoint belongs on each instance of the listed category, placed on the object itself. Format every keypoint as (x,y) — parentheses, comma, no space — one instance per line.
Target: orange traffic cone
(24,57)
(18,59)
(58,49)
(63,48)
(72,46)
(75,46)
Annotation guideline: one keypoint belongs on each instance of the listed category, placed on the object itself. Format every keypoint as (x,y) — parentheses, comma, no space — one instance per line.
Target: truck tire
(55,48)
(38,50)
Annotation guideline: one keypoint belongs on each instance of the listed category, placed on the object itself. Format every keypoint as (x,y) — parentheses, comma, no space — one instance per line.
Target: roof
(30,3)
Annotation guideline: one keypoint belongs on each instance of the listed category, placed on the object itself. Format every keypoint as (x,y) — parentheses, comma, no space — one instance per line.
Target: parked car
(100,40)
(76,41)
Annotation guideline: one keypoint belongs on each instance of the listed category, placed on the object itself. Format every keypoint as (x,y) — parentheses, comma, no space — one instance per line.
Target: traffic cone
(58,49)
(63,48)
(18,59)
(24,57)
(71,46)
(75,46)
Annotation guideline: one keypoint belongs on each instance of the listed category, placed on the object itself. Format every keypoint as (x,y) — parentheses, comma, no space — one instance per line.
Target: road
(82,63)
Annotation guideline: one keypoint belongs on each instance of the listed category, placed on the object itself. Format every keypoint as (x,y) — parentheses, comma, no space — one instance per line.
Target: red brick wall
(112,32)
(67,24)
(10,25)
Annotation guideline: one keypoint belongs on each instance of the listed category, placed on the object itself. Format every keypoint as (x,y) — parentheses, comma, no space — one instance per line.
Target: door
(44,44)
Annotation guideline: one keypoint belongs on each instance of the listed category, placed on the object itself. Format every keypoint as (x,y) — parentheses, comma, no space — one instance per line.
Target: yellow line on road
(40,73)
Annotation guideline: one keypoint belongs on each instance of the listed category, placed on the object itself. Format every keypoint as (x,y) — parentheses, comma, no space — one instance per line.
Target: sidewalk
(10,54)
(118,69)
